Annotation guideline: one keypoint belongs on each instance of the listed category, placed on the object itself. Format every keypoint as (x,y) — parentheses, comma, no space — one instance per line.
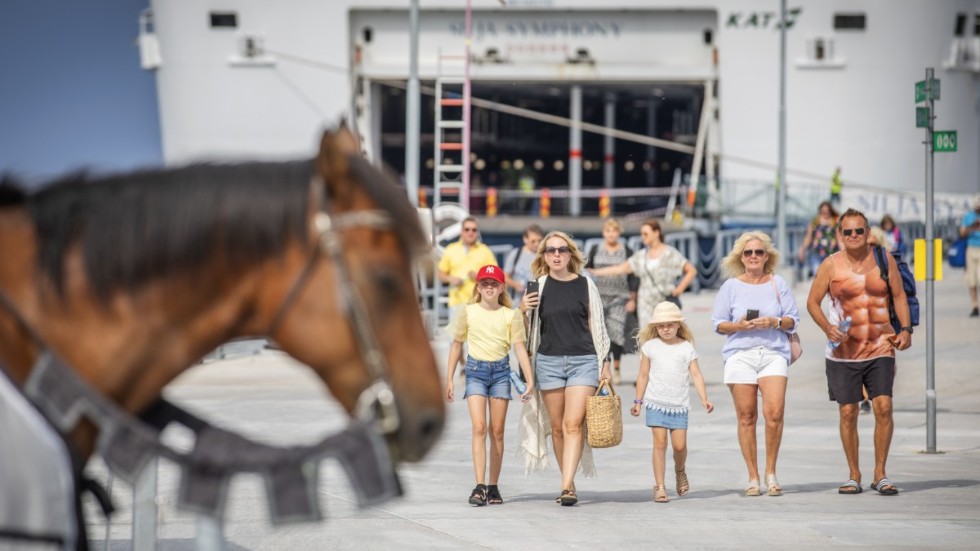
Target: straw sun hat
(666,312)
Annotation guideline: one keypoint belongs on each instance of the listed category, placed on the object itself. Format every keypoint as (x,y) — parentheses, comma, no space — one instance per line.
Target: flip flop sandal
(493,495)
(479,495)
(752,489)
(568,498)
(850,487)
(682,483)
(884,487)
(660,494)
(772,486)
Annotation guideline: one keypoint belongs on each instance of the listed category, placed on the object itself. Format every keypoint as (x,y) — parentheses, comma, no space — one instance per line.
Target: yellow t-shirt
(489,333)
(458,261)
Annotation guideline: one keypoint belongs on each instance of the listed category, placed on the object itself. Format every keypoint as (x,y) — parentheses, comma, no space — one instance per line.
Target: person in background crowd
(820,240)
(970,229)
(618,292)
(865,355)
(756,309)
(460,262)
(568,343)
(517,265)
(893,241)
(836,186)
(658,267)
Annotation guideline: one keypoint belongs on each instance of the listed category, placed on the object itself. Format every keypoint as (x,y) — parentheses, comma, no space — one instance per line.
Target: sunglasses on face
(556,250)
(848,232)
(469,229)
(757,252)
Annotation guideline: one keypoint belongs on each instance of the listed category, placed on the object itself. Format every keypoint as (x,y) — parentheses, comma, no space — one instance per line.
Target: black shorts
(845,379)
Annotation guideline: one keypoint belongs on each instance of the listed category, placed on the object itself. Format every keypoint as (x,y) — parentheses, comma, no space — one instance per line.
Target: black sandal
(479,495)
(493,495)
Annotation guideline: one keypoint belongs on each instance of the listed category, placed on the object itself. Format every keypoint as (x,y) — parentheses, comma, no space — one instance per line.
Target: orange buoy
(422,202)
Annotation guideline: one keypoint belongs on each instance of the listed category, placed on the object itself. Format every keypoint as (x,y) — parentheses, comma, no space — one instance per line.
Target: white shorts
(745,367)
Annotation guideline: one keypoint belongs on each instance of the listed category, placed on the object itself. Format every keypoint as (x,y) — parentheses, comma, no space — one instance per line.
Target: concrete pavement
(939,505)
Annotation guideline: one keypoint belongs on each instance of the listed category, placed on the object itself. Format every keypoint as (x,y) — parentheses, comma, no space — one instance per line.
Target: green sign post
(944,141)
(926,90)
(922,117)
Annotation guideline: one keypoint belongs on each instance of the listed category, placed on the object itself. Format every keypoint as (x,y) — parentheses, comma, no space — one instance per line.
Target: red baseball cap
(491,272)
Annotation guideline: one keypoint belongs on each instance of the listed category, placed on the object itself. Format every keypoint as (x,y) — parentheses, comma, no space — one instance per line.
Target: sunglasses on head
(756,252)
(556,250)
(848,232)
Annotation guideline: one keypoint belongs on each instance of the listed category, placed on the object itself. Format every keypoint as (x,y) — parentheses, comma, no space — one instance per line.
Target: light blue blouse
(736,297)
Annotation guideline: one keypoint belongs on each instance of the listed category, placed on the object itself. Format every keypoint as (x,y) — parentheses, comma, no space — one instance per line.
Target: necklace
(859,269)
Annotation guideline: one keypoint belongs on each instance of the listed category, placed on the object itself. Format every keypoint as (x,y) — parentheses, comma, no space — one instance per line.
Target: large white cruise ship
(240,77)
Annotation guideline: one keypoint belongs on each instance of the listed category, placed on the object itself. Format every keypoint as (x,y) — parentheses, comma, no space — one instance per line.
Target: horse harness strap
(377,402)
(290,473)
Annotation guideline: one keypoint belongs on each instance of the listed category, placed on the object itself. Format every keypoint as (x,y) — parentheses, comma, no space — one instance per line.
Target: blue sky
(72,94)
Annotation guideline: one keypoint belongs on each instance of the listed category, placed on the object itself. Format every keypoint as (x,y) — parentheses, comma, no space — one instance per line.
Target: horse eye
(389,287)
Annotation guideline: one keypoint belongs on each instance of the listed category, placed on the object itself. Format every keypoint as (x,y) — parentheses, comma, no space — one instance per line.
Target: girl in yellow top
(490,326)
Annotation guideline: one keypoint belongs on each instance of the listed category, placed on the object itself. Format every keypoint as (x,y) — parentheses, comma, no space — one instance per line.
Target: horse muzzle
(409,435)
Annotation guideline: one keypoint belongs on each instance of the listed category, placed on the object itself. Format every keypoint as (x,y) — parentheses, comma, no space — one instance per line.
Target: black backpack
(908,282)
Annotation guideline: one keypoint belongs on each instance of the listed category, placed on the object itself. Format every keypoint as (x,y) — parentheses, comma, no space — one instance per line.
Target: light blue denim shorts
(491,379)
(553,372)
(657,418)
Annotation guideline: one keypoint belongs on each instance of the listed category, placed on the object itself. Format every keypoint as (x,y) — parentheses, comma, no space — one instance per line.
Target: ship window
(960,25)
(849,21)
(224,20)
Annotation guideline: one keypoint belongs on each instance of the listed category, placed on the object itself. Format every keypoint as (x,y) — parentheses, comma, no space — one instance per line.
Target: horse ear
(332,162)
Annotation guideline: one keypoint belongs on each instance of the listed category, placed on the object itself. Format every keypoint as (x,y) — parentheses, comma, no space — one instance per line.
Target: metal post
(651,176)
(464,193)
(412,125)
(781,174)
(575,154)
(609,143)
(930,275)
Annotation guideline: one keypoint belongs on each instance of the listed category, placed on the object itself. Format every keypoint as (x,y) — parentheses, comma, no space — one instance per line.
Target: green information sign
(921,94)
(944,141)
(922,117)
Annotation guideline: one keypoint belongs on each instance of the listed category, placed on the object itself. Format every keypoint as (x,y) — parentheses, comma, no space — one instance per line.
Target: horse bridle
(376,403)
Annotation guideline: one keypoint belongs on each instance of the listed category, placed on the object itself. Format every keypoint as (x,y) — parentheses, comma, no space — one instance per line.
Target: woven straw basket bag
(604,418)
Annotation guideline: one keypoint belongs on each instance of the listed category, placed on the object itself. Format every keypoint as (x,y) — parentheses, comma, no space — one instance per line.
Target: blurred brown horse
(132,278)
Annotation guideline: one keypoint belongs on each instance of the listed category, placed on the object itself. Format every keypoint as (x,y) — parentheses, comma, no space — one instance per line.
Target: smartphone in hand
(751,314)
(531,287)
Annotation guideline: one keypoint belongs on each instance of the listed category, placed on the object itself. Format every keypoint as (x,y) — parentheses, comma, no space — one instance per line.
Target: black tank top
(564,312)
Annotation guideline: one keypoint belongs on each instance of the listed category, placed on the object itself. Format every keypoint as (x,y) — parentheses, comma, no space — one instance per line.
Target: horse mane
(391,197)
(11,192)
(138,227)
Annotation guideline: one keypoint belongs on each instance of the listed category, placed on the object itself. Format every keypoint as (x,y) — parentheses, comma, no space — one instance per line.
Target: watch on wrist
(779,323)
(908,328)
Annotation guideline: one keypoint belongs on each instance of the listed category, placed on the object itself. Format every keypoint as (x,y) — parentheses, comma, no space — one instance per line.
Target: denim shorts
(491,379)
(553,372)
(657,418)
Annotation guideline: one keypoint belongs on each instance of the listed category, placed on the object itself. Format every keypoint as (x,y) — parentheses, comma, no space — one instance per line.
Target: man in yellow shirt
(461,261)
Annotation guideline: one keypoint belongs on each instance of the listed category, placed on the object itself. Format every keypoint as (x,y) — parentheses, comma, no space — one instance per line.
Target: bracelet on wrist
(637,402)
